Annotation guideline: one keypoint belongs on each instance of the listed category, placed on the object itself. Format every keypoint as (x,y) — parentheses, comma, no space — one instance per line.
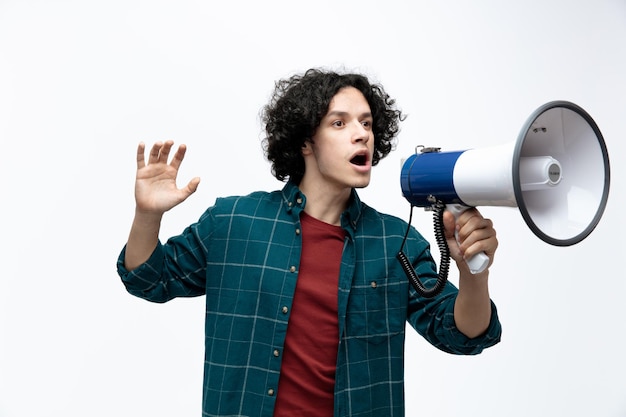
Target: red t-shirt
(307,378)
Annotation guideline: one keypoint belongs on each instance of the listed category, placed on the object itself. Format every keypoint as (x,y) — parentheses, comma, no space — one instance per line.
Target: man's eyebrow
(341,113)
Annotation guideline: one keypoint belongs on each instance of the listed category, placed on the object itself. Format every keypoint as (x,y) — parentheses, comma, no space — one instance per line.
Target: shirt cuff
(475,345)
(146,275)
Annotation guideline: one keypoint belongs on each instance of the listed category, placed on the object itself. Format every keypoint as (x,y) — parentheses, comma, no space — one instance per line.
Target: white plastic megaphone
(557,173)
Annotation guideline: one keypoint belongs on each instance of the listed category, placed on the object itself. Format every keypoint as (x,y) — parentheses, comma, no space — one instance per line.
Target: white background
(82,82)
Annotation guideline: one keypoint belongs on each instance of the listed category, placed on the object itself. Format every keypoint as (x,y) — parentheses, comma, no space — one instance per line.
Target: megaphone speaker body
(475,177)
(557,173)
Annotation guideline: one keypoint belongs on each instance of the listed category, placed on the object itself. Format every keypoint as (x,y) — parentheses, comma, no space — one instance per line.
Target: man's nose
(360,133)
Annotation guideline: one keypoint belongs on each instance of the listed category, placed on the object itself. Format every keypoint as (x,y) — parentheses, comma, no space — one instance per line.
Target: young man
(306,303)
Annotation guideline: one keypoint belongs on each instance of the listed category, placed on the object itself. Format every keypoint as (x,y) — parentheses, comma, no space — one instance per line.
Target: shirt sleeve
(433,318)
(441,331)
(174,269)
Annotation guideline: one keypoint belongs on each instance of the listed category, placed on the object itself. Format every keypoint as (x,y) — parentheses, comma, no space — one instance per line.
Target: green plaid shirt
(243,254)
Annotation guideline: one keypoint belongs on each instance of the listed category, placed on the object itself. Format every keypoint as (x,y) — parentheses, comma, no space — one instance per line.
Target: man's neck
(325,204)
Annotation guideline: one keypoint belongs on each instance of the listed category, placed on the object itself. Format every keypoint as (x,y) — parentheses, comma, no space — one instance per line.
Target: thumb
(192,186)
(449,224)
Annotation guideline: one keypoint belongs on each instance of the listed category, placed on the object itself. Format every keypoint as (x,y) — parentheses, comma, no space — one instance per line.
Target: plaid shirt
(243,253)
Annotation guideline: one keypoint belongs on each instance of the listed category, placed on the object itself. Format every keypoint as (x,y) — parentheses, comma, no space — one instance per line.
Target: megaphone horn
(557,173)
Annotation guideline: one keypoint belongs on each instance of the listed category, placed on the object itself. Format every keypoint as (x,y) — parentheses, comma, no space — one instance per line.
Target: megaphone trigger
(479,262)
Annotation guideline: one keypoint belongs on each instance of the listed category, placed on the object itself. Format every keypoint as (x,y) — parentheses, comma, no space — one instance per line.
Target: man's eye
(367,123)
(338,123)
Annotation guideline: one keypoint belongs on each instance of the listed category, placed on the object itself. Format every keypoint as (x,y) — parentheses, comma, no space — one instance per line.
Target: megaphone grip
(479,262)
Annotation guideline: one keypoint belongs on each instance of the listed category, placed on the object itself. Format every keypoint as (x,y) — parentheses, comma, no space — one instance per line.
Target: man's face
(339,156)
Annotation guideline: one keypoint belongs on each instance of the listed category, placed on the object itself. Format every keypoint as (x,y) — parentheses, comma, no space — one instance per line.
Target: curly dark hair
(297,107)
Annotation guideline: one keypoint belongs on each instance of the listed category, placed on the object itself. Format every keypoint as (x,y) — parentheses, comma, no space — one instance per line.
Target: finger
(469,221)
(487,246)
(179,156)
(165,151)
(482,238)
(468,214)
(154,153)
(141,149)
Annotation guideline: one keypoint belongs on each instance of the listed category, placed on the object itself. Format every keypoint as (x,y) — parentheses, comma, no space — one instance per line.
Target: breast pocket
(376,311)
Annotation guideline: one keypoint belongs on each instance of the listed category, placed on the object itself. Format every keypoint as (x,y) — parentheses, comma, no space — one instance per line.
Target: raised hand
(155,193)
(155,186)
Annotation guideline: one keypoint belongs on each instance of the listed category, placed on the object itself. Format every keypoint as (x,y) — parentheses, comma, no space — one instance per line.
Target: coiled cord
(444,265)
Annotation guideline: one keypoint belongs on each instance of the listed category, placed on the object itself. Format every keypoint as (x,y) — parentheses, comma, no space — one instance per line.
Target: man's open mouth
(360,160)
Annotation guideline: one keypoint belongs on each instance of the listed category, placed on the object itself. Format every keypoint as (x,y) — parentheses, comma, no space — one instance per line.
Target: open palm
(155,186)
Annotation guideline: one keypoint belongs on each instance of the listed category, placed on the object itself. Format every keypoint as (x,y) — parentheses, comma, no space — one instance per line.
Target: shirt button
(297,231)
(292,269)
(270,392)
(285,310)
(299,200)
(276,353)
(374,284)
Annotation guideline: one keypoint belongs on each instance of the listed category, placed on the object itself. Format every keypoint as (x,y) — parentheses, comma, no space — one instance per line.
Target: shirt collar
(294,199)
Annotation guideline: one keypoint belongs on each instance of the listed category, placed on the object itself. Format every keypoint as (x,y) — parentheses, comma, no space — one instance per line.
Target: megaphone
(556,173)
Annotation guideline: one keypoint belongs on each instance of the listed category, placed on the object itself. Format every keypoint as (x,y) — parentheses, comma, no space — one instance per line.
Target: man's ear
(307,149)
